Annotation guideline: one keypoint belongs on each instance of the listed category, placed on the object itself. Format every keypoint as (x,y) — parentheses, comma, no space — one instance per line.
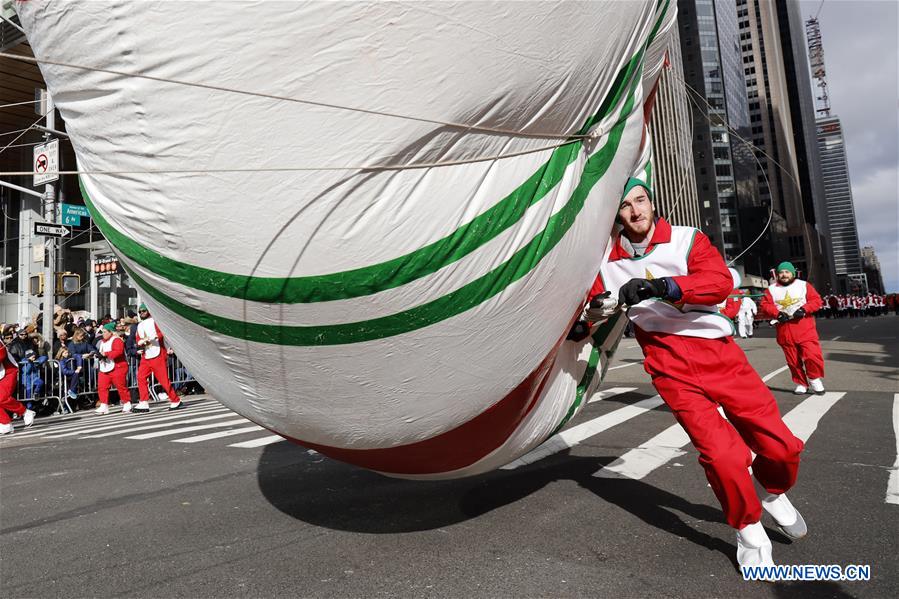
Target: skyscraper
(782,116)
(838,191)
(674,181)
(713,69)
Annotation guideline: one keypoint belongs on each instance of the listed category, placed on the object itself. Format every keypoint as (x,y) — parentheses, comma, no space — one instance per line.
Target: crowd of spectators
(74,347)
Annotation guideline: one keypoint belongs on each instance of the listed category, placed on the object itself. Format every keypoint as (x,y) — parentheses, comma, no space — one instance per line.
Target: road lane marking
(607,393)
(893,482)
(804,418)
(576,434)
(259,442)
(113,418)
(133,429)
(625,365)
(667,445)
(189,429)
(837,337)
(771,375)
(220,434)
(108,424)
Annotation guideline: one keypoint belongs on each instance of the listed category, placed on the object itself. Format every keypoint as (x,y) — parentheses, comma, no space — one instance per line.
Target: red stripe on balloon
(457,448)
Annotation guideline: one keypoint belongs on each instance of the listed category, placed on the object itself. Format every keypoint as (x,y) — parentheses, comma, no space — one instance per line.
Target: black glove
(782,317)
(636,290)
(798,314)
(580,330)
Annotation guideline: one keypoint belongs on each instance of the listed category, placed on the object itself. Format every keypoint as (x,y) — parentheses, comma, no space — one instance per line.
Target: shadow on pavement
(334,495)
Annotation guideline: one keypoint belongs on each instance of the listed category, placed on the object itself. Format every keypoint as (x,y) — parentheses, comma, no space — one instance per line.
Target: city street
(202,503)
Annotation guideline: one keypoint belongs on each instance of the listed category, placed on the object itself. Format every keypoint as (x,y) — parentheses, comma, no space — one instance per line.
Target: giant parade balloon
(365,226)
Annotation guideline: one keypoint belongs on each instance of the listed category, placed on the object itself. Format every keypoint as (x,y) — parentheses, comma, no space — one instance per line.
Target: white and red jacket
(7,363)
(687,256)
(112,354)
(148,331)
(789,298)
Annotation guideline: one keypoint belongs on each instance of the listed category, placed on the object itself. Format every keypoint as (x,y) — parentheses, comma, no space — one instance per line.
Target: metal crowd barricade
(41,384)
(47,382)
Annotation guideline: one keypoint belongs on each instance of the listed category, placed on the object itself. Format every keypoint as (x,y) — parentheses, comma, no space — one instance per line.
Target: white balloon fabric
(365,226)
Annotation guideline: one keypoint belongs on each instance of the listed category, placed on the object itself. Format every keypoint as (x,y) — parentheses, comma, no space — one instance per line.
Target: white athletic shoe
(126,407)
(28,418)
(753,546)
(102,409)
(800,390)
(5,429)
(143,407)
(789,520)
(817,386)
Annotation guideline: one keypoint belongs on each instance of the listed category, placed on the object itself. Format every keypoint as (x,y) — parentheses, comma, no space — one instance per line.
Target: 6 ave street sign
(51,230)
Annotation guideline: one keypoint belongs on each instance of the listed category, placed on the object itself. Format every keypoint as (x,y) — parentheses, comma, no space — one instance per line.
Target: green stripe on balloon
(470,295)
(375,278)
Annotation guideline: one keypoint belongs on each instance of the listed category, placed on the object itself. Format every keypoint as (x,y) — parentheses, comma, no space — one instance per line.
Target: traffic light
(67,283)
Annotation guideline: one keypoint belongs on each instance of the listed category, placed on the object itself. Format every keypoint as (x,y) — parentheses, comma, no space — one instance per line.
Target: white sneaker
(800,390)
(817,386)
(5,429)
(126,407)
(789,520)
(102,409)
(753,546)
(28,418)
(143,407)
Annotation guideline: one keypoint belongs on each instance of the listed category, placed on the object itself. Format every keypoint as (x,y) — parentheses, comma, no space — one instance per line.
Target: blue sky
(861,55)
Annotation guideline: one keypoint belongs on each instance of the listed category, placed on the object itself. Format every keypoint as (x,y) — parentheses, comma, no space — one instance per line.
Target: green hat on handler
(786,266)
(143,308)
(109,326)
(635,182)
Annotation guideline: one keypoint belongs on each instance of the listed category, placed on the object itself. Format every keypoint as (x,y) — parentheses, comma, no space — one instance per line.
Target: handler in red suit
(113,370)
(9,372)
(670,279)
(152,361)
(792,302)
(731,306)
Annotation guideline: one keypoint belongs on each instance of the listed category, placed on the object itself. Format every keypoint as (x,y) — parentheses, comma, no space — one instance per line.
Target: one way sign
(51,230)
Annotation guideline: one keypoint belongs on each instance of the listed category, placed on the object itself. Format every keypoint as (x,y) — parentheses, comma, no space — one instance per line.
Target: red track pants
(805,360)
(118,377)
(156,366)
(694,376)
(7,402)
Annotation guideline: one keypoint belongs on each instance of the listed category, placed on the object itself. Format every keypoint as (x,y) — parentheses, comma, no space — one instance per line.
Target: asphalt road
(89,510)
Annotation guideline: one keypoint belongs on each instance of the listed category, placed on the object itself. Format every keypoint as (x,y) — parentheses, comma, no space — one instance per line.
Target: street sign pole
(50,259)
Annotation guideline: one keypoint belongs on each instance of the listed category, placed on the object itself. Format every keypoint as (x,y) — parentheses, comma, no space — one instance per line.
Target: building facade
(782,116)
(725,172)
(838,194)
(674,180)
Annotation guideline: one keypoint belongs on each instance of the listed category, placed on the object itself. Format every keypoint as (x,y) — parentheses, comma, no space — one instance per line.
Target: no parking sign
(46,162)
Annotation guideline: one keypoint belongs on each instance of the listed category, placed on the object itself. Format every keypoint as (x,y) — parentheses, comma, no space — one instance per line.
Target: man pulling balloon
(669,279)
(792,302)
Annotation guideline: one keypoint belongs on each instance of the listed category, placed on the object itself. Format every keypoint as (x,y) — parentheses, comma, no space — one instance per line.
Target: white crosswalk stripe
(111,419)
(138,421)
(669,444)
(576,434)
(259,442)
(189,429)
(893,482)
(219,434)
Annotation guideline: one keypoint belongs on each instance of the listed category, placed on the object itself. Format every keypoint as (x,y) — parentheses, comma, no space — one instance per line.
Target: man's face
(636,212)
(785,277)
(144,314)
(63,336)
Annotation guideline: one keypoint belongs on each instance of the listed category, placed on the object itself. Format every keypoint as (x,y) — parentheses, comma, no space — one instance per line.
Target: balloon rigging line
(221,88)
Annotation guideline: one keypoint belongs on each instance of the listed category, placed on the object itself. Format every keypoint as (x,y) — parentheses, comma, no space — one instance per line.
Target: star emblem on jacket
(787,301)
(679,305)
